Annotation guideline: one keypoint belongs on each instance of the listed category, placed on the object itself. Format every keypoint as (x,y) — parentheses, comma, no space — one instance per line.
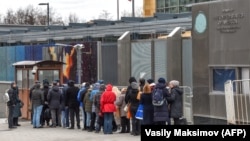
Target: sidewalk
(26,132)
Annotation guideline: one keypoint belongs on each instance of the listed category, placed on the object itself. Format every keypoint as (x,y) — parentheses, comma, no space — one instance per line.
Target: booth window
(50,75)
(19,78)
(220,76)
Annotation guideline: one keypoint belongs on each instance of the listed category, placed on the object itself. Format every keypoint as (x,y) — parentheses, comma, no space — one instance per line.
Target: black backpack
(157,97)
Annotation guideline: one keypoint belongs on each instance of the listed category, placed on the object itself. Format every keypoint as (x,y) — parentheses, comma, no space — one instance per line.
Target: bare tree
(20,15)
(138,13)
(1,19)
(105,15)
(32,16)
(73,18)
(10,17)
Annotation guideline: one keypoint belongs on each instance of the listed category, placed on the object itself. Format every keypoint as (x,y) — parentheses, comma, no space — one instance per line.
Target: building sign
(229,21)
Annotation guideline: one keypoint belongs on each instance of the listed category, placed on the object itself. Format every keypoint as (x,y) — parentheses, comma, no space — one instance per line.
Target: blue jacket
(79,95)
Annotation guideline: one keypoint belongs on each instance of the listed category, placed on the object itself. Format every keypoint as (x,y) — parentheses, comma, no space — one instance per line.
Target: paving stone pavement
(26,132)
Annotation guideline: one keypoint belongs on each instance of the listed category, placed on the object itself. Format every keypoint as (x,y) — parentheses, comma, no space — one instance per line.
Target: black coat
(148,108)
(161,113)
(71,97)
(54,98)
(37,96)
(176,105)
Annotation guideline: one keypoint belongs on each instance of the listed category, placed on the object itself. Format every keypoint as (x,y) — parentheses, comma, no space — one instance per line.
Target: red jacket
(108,100)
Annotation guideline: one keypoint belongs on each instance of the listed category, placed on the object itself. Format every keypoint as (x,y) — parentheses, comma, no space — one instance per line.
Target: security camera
(33,72)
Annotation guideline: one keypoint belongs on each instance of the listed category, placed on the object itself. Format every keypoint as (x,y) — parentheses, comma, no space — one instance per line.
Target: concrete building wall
(221,44)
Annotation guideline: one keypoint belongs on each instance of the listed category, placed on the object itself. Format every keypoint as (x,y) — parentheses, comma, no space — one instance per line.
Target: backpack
(157,97)
(6,97)
(47,114)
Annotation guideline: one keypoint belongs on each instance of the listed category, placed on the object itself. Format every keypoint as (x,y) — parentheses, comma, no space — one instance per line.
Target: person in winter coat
(117,117)
(94,91)
(45,116)
(161,113)
(54,101)
(120,103)
(108,108)
(176,101)
(11,104)
(17,109)
(97,103)
(134,104)
(129,88)
(148,108)
(88,107)
(37,99)
(80,97)
(73,104)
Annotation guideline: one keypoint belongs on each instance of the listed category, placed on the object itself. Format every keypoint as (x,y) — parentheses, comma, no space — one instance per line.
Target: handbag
(129,114)
(182,121)
(139,112)
(126,107)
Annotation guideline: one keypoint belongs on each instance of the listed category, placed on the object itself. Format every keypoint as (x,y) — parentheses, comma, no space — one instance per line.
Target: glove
(100,114)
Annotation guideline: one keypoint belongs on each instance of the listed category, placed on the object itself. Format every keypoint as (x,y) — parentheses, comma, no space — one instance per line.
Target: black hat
(161,80)
(150,81)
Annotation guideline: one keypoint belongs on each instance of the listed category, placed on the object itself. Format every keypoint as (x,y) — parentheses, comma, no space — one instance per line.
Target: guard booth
(27,72)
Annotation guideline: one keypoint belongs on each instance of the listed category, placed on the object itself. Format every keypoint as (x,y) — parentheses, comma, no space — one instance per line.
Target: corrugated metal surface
(141,59)
(10,58)
(187,71)
(160,57)
(3,63)
(109,63)
(100,31)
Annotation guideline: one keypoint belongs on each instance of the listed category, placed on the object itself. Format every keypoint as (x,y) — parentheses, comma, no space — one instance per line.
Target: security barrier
(188,104)
(237,98)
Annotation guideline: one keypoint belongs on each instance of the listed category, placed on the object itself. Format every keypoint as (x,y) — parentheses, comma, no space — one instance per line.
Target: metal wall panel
(11,58)
(109,63)
(160,56)
(141,59)
(187,64)
(20,50)
(3,63)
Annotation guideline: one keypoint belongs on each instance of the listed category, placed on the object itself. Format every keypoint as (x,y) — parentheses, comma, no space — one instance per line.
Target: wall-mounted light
(34,70)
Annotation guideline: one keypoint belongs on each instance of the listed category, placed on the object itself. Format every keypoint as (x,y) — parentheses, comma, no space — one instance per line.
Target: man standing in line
(11,104)
(55,99)
(73,104)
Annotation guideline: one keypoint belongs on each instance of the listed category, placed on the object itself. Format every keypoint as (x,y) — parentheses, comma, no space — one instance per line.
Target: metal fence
(237,98)
(188,104)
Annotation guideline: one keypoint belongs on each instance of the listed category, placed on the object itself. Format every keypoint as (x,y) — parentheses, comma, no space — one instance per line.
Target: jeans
(10,116)
(67,116)
(74,113)
(83,116)
(88,119)
(63,118)
(56,113)
(97,124)
(136,123)
(36,116)
(108,125)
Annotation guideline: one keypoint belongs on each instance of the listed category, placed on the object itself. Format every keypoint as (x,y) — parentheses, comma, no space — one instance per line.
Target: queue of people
(101,106)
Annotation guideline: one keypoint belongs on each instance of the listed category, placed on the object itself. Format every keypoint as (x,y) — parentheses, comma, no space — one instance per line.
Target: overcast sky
(85,9)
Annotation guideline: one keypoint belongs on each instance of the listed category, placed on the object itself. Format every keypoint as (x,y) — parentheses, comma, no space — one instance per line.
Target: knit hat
(150,81)
(83,84)
(134,85)
(161,80)
(102,87)
(132,79)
